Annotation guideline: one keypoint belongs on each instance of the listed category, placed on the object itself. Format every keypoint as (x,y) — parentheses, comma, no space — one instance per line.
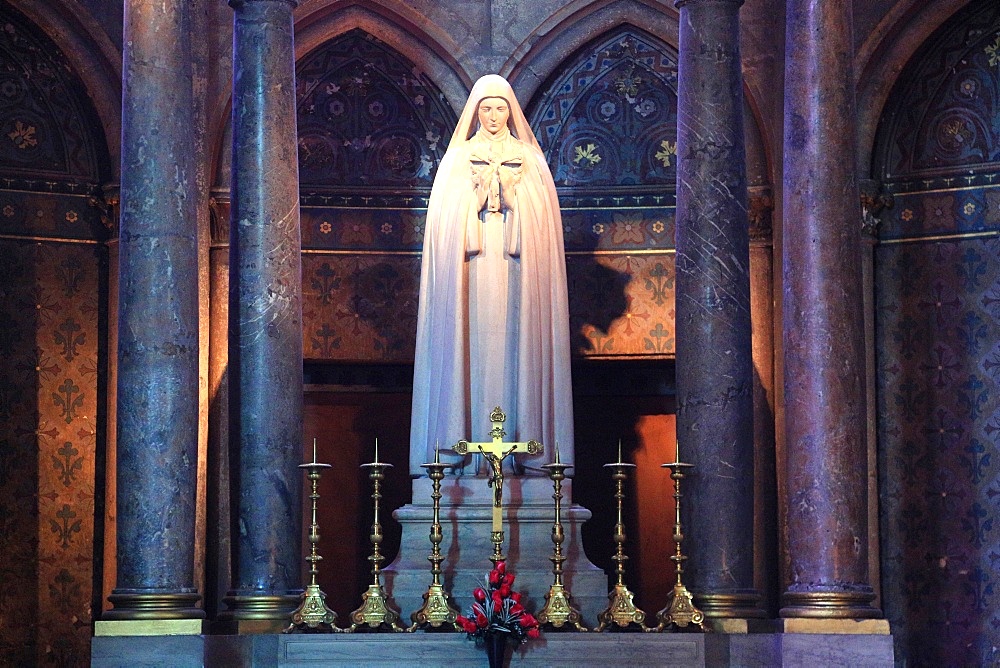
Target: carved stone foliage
(47,122)
(610,117)
(943,112)
(367,117)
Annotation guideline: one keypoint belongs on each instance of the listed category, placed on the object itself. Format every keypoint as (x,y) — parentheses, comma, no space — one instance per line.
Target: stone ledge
(554,650)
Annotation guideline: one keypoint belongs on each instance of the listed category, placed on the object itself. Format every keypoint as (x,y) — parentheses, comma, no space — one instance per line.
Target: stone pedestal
(466,514)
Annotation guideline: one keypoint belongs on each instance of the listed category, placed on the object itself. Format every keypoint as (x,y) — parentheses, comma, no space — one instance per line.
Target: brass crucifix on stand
(495,452)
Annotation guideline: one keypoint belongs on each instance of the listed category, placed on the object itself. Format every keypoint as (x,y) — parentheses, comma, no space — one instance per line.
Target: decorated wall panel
(938,348)
(46,123)
(49,343)
(367,117)
(607,122)
(372,131)
(52,316)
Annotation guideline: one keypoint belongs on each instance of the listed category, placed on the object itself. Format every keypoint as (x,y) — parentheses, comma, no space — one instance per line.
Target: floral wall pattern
(52,279)
(608,125)
(372,129)
(938,348)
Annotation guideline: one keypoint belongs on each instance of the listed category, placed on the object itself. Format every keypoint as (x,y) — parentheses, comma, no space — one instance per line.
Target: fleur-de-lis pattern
(47,416)
(937,280)
(47,463)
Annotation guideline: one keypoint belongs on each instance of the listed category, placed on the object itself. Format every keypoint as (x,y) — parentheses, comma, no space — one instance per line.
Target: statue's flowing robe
(493,315)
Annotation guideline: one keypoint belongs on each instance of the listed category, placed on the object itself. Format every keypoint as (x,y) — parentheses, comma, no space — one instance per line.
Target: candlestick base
(559,610)
(621,611)
(679,611)
(436,611)
(312,615)
(375,612)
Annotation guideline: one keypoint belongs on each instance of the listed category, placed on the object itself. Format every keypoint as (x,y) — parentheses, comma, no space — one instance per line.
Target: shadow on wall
(596,300)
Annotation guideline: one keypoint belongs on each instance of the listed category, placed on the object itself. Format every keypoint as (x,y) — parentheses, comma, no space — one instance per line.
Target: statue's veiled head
(493,91)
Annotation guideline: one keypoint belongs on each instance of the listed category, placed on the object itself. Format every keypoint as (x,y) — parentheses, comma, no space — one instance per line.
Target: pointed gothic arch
(881,60)
(93,60)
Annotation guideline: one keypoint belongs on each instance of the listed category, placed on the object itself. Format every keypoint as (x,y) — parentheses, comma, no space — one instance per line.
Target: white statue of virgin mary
(493,316)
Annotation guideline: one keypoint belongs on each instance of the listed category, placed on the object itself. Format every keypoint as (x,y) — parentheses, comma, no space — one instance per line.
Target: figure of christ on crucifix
(495,452)
(496,473)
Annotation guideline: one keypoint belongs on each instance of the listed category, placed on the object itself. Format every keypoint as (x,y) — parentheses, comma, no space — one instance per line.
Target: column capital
(760,212)
(873,202)
(681,3)
(218,211)
(107,201)
(236,4)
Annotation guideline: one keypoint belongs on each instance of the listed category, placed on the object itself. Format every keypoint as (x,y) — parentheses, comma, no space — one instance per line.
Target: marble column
(823,325)
(765,498)
(714,360)
(157,370)
(265,317)
(218,567)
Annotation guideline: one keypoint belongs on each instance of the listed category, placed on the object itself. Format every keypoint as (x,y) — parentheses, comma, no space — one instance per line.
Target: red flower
(515,596)
(508,579)
(479,594)
(481,620)
(533,632)
(501,567)
(528,620)
(497,601)
(467,624)
(504,590)
(495,578)
(516,609)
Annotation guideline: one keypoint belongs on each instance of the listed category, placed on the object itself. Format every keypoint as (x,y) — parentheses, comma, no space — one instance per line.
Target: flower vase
(496,649)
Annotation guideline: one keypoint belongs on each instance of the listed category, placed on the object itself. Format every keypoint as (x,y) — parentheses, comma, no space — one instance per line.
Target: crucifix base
(466,517)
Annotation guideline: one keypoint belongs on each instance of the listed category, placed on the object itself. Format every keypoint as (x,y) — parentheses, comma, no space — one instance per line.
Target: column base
(742,604)
(131,604)
(870,627)
(840,604)
(743,626)
(257,613)
(149,627)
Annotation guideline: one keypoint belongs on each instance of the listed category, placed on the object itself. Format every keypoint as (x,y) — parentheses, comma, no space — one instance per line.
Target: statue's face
(493,114)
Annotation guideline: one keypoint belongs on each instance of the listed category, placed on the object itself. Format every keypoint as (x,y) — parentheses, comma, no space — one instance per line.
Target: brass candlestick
(558,609)
(437,609)
(680,609)
(621,610)
(312,613)
(376,612)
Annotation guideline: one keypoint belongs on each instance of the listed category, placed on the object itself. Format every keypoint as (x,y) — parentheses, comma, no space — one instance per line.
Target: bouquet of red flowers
(497,612)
